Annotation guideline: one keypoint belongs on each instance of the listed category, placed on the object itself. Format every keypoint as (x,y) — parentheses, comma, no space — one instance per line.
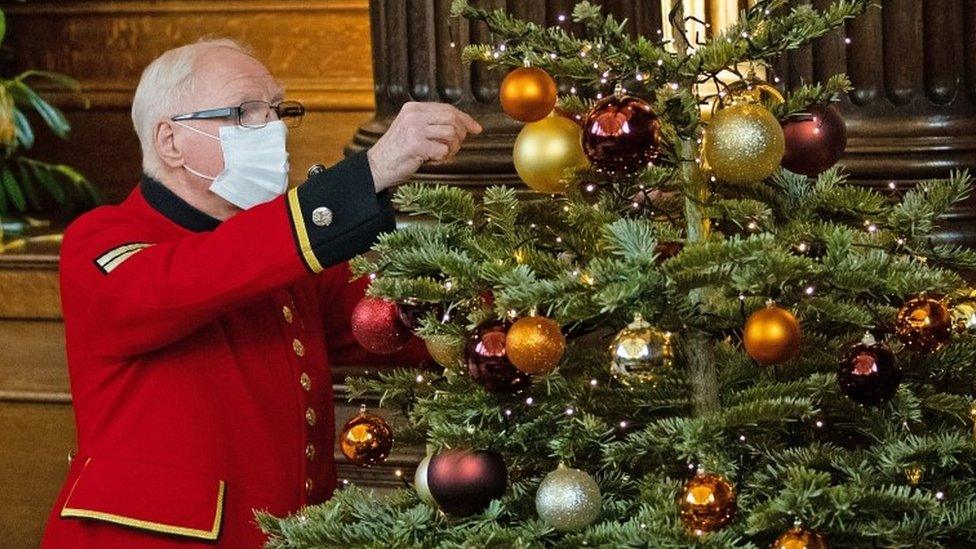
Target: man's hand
(421,132)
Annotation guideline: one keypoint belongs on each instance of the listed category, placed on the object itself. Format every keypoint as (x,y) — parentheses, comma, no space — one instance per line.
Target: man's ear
(165,142)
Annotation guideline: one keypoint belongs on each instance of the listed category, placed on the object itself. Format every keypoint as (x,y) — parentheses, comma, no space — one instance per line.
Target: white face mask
(255,164)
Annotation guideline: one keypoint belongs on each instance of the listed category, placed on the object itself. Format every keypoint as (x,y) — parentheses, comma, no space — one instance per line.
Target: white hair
(164,90)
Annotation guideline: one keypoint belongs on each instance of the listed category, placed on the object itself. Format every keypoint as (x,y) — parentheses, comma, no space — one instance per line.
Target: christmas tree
(696,333)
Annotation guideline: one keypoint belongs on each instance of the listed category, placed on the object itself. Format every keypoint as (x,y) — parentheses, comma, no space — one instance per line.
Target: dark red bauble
(621,135)
(464,483)
(815,139)
(376,325)
(867,374)
(487,359)
(411,313)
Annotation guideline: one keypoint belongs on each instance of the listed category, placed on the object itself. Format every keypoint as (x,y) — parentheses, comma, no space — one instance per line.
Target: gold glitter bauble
(640,352)
(913,474)
(800,538)
(923,323)
(707,503)
(366,439)
(771,335)
(568,499)
(535,344)
(445,350)
(751,91)
(743,144)
(544,150)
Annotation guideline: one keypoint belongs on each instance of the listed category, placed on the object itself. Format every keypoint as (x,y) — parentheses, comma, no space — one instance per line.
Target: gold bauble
(924,323)
(743,143)
(913,474)
(445,350)
(366,439)
(707,503)
(544,150)
(751,91)
(535,344)
(640,352)
(800,538)
(771,335)
(963,312)
(527,94)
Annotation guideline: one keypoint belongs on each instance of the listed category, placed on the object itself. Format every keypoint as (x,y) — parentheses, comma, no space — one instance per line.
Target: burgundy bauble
(621,135)
(464,483)
(487,359)
(411,312)
(867,374)
(815,139)
(376,325)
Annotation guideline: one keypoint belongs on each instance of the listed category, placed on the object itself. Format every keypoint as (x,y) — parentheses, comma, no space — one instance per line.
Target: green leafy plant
(24,181)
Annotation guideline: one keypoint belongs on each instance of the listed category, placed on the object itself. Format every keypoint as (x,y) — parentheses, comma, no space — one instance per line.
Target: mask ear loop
(201,132)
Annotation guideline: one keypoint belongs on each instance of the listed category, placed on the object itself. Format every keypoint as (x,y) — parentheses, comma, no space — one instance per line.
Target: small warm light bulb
(420,378)
(569,411)
(809,290)
(529,401)
(593,383)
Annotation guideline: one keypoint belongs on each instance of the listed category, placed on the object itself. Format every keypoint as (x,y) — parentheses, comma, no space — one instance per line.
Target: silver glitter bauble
(568,499)
(420,482)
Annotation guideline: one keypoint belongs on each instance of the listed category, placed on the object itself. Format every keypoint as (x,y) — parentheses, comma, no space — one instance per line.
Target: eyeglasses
(253,114)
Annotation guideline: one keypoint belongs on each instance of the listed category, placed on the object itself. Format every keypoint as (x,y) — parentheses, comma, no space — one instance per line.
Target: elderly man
(202,313)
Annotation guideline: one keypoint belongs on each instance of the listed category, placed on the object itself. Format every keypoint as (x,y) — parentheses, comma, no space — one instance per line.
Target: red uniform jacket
(199,357)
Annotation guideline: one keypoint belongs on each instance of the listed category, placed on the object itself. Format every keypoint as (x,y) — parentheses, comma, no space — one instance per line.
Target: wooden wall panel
(318,49)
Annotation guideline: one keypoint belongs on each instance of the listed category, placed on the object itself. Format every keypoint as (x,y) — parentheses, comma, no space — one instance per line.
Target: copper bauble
(815,139)
(463,483)
(640,353)
(867,373)
(707,503)
(527,94)
(535,344)
(771,335)
(377,326)
(621,135)
(366,439)
(924,323)
(743,144)
(800,538)
(544,150)
(486,357)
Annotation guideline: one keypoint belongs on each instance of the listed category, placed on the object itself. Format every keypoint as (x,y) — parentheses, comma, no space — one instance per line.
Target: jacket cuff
(337,214)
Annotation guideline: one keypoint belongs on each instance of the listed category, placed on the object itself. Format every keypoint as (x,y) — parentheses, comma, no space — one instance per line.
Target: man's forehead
(231,76)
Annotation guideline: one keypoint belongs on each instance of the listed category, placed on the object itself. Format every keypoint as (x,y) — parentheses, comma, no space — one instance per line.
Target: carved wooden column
(413,60)
(912,114)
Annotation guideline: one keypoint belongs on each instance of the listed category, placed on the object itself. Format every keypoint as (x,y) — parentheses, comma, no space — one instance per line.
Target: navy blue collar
(175,208)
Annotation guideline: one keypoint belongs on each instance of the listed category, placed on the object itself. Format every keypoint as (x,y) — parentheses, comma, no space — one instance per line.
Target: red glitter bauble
(377,326)
(464,483)
(815,140)
(621,135)
(487,359)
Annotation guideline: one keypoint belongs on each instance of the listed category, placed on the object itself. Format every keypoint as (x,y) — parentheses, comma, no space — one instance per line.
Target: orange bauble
(771,335)
(535,344)
(800,538)
(528,94)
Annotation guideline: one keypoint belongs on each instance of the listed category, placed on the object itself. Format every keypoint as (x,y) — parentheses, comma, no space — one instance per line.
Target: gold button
(306,382)
(310,417)
(308,486)
(286,312)
(310,452)
(298,347)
